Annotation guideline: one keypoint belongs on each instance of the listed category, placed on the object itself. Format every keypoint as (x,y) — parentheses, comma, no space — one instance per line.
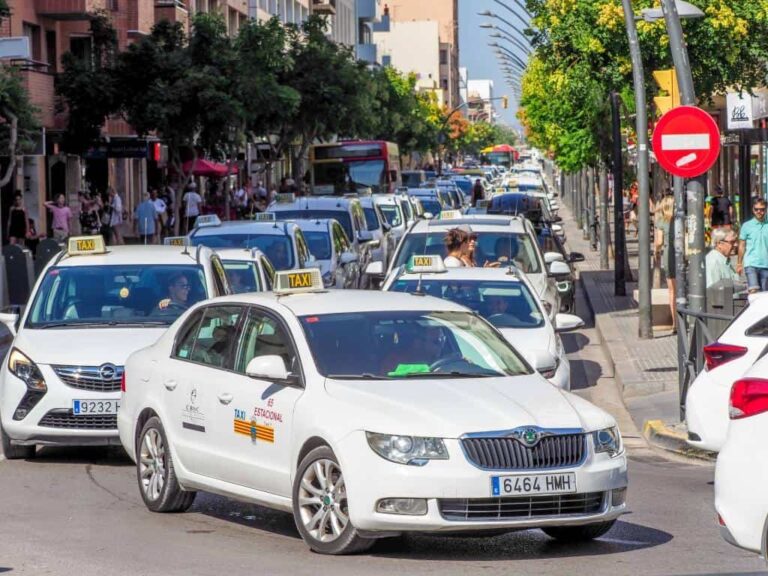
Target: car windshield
(319,244)
(349,176)
(115,295)
(371,220)
(341,215)
(243,276)
(491,247)
(503,304)
(277,247)
(406,206)
(412,179)
(409,344)
(432,206)
(392,214)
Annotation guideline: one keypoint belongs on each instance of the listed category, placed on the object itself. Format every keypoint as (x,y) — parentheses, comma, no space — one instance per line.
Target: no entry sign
(686,141)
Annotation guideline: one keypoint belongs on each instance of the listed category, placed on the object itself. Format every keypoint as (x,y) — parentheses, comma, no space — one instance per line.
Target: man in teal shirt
(718,261)
(753,249)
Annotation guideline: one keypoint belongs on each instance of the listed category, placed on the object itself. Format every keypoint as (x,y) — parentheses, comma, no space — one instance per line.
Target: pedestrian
(240,201)
(161,209)
(753,249)
(62,214)
(478,192)
(261,192)
(718,261)
(89,215)
(457,244)
(665,243)
(115,215)
(722,209)
(146,220)
(192,201)
(17,221)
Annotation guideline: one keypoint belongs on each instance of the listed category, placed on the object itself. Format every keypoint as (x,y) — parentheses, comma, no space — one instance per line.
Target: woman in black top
(17,221)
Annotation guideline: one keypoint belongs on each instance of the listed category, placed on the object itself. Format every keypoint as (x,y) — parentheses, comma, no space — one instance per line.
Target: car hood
(86,347)
(528,341)
(450,408)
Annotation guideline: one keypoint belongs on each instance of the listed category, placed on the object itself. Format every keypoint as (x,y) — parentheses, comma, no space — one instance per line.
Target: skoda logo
(107,371)
(530,436)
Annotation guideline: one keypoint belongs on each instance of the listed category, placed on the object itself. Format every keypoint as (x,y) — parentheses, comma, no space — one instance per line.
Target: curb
(673,439)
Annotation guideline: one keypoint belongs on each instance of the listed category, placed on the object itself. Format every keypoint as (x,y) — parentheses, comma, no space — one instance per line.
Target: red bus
(350,166)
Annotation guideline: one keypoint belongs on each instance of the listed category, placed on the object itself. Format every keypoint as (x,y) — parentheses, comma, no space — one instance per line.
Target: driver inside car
(178,293)
(424,347)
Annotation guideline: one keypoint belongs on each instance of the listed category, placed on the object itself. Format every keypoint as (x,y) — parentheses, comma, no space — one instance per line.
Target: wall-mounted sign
(739,110)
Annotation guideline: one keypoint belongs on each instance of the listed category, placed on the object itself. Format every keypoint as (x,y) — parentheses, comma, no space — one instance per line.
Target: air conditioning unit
(324,7)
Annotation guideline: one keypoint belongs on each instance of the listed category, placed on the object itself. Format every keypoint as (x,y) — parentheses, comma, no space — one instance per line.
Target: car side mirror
(364,235)
(428,215)
(387,226)
(550,257)
(347,258)
(567,322)
(557,219)
(544,363)
(11,321)
(576,257)
(375,269)
(270,367)
(559,267)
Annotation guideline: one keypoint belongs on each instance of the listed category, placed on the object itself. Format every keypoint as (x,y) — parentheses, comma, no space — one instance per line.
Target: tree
(18,120)
(86,87)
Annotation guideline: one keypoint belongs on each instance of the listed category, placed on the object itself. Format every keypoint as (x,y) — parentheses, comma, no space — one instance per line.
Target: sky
(479,58)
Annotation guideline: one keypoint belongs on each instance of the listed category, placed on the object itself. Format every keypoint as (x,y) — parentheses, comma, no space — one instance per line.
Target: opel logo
(107,372)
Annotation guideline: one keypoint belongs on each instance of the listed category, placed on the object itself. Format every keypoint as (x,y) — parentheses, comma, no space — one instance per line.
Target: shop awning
(208,168)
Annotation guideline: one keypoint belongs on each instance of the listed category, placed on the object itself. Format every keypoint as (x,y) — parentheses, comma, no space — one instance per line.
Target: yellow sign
(300,280)
(86,245)
(667,81)
(422,261)
(306,280)
(175,241)
(425,264)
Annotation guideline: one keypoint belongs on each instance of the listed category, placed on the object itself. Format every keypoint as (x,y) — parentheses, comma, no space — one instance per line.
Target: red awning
(504,148)
(208,168)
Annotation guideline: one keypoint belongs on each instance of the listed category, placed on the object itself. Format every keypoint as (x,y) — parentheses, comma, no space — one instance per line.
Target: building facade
(446,14)
(55,27)
(289,11)
(480,101)
(369,16)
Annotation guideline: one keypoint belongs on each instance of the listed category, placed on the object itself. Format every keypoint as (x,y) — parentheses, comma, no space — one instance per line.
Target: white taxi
(505,298)
(334,254)
(90,308)
(248,269)
(365,414)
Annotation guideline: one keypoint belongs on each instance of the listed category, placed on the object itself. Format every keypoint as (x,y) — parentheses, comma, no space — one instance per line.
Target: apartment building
(288,11)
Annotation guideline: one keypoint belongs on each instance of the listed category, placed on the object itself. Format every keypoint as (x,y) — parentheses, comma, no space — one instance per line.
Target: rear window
(277,247)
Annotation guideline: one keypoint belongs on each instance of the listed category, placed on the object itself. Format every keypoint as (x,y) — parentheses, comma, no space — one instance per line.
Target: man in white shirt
(192,201)
(161,210)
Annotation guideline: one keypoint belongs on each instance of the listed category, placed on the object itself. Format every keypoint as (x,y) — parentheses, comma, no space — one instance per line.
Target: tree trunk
(12,140)
(183,183)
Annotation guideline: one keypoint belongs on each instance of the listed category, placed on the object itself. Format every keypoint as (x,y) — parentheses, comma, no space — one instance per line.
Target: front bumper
(370,478)
(54,408)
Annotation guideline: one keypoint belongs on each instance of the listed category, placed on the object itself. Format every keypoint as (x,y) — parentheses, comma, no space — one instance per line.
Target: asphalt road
(79,512)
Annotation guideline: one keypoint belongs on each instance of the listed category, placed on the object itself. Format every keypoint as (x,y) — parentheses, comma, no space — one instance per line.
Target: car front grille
(66,419)
(485,509)
(93,378)
(511,454)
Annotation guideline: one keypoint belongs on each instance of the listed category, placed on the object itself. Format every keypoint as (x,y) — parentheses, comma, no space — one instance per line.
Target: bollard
(46,249)
(20,274)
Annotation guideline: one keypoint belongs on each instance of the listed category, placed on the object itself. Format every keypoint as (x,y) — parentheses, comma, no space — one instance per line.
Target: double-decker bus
(350,166)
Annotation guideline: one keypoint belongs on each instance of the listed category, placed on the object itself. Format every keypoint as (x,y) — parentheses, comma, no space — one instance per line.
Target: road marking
(685,141)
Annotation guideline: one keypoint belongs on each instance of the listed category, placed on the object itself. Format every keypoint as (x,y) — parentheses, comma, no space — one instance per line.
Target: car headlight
(608,440)
(26,370)
(413,450)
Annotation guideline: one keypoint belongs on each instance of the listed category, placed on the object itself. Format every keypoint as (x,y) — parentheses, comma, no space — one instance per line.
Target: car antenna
(419,291)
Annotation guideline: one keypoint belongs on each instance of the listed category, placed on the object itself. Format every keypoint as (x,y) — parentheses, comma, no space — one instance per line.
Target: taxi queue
(439,404)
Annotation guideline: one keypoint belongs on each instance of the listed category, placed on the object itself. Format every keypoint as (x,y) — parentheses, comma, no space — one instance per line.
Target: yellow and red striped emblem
(254,431)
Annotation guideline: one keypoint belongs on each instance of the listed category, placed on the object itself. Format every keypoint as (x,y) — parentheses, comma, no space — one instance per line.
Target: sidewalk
(645,370)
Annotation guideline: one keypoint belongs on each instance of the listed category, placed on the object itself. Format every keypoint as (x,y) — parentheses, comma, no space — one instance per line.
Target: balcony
(367,53)
(369,10)
(327,7)
(69,9)
(39,86)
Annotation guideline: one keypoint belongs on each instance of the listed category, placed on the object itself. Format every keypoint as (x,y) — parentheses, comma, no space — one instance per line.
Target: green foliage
(14,103)
(582,55)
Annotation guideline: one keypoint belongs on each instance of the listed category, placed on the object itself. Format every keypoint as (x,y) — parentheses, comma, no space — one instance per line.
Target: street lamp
(507,60)
(490,14)
(684,10)
(523,20)
(489,26)
(501,35)
(502,50)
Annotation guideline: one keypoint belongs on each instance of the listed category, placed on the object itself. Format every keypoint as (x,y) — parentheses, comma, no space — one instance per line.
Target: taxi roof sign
(450,214)
(207,220)
(175,241)
(482,204)
(264,217)
(82,245)
(297,281)
(425,264)
(285,198)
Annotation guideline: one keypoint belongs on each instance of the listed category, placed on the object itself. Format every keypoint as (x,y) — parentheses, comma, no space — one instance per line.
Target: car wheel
(320,506)
(578,533)
(158,484)
(14,451)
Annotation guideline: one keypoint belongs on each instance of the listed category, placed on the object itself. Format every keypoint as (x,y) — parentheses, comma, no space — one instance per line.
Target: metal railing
(693,334)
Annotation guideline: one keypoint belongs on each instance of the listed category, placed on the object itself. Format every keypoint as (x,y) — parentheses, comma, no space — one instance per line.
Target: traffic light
(504,102)
(667,81)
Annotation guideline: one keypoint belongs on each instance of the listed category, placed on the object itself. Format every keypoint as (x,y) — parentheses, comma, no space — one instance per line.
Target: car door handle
(225,398)
(170,384)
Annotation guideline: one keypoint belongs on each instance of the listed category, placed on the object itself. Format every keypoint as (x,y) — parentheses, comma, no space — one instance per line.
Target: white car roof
(138,254)
(313,202)
(344,301)
(478,223)
(279,228)
(385,198)
(315,224)
(240,254)
(500,274)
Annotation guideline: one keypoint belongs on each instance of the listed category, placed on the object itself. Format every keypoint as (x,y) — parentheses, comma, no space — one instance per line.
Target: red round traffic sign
(686,141)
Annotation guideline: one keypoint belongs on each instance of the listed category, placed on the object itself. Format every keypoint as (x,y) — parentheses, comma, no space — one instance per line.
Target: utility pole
(619,278)
(695,191)
(592,209)
(644,213)
(605,227)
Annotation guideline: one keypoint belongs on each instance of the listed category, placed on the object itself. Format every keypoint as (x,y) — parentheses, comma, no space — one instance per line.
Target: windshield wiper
(363,376)
(110,324)
(451,375)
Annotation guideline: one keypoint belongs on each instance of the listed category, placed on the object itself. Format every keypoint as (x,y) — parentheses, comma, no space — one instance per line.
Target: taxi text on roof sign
(295,281)
(175,241)
(206,220)
(285,198)
(450,214)
(79,245)
(419,264)
(264,217)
